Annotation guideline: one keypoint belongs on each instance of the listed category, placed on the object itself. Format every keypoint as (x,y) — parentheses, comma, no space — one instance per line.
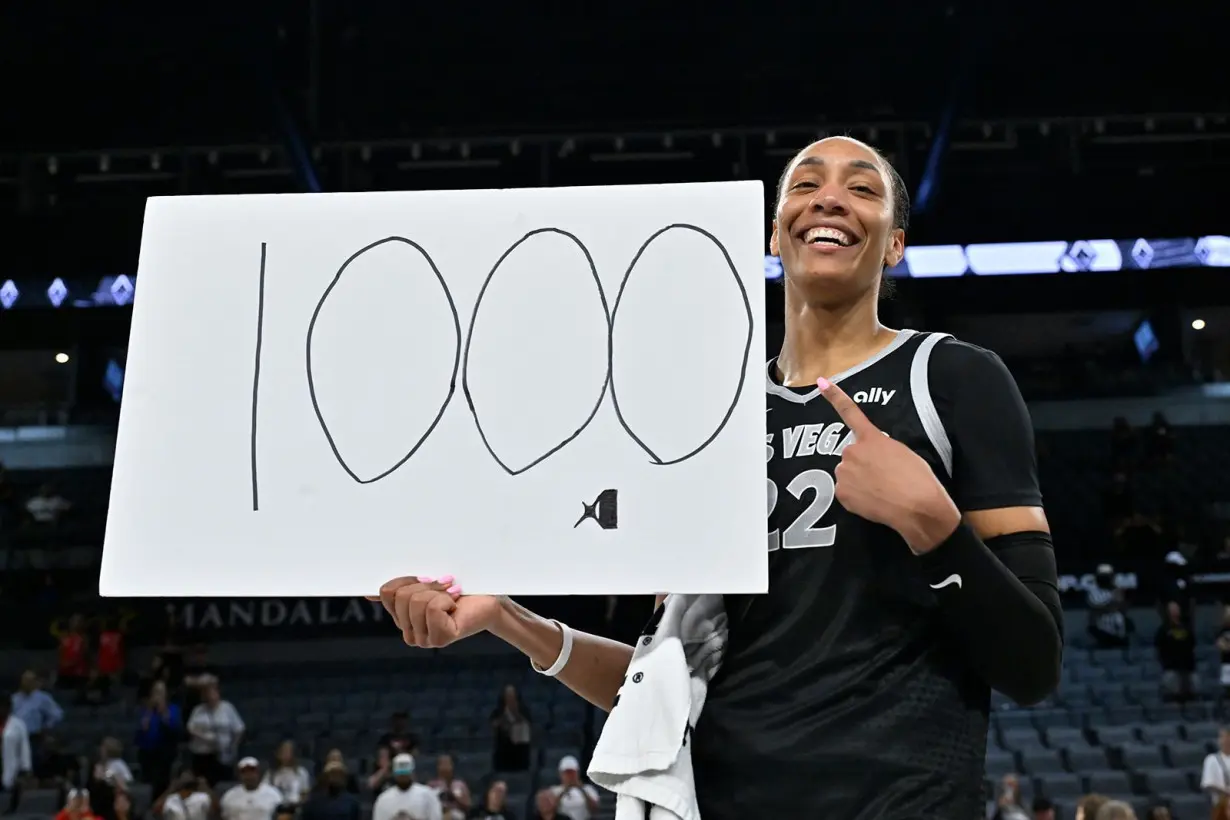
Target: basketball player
(911,566)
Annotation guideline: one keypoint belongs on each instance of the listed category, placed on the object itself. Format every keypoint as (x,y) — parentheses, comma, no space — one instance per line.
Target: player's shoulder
(955,362)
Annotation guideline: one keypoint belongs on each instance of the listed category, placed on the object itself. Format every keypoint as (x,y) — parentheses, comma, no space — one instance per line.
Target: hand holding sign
(884,481)
(432,613)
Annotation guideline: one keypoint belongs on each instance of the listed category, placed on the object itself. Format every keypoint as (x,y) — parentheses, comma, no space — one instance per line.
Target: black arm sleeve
(1007,611)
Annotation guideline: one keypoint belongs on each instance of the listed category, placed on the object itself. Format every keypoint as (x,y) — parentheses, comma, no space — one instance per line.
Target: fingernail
(823,383)
(455,589)
(446,580)
(423,579)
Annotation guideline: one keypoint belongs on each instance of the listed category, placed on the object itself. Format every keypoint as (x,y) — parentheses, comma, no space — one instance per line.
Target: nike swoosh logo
(947,582)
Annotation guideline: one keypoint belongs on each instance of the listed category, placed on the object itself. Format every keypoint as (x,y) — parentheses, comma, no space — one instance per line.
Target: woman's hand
(433,613)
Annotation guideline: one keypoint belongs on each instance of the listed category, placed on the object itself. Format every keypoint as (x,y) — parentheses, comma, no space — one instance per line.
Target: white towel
(644,754)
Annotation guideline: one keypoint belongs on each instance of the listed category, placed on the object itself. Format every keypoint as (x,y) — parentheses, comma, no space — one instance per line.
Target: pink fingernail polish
(455,589)
(822,383)
(447,580)
(423,579)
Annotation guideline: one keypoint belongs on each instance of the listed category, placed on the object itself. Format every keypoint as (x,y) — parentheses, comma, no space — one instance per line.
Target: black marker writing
(452,382)
(465,370)
(461,359)
(256,374)
(747,346)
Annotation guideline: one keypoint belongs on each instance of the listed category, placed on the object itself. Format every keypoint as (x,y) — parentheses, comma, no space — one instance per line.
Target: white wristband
(565,652)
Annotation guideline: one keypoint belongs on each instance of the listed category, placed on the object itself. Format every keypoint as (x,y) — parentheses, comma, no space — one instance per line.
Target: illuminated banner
(1081,256)
(921,262)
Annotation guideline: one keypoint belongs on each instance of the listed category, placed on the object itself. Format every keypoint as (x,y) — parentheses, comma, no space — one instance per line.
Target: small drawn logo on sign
(604,511)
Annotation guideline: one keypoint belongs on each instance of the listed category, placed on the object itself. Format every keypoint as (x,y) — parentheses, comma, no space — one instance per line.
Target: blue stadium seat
(1086,759)
(1189,806)
(1025,737)
(1062,737)
(1038,761)
(1161,732)
(1186,755)
(1166,781)
(1111,783)
(1000,762)
(1059,784)
(1115,735)
(1138,756)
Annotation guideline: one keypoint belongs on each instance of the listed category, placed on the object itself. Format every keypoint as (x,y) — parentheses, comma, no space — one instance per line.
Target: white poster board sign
(541,391)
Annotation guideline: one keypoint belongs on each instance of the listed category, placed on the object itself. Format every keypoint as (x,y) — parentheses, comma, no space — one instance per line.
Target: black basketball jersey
(839,695)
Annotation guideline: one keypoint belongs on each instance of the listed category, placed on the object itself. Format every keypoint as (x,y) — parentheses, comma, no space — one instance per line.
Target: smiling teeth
(838,236)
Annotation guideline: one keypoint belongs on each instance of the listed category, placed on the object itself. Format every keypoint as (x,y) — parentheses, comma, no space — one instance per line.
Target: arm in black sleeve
(1006,610)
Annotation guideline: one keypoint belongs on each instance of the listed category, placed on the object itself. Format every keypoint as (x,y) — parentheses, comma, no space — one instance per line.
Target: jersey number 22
(803,532)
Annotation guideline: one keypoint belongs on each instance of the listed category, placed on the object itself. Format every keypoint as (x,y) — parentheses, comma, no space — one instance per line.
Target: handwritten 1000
(461,356)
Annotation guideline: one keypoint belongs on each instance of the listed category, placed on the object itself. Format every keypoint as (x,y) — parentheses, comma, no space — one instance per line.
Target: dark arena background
(1068,167)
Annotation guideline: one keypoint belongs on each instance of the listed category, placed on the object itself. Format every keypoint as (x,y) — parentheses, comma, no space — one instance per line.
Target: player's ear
(895,251)
(774,250)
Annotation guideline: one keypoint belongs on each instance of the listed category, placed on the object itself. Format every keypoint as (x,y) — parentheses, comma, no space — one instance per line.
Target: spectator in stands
(158,737)
(1223,647)
(1108,621)
(1116,810)
(454,793)
(47,507)
(1176,651)
(406,799)
(399,738)
(1158,811)
(1008,803)
(111,767)
(1160,439)
(76,806)
(15,758)
(510,722)
(286,813)
(121,807)
(158,672)
(495,804)
(287,776)
(74,654)
(189,798)
(546,807)
(1215,775)
(332,801)
(250,799)
(1174,583)
(382,773)
(572,797)
(197,675)
(110,661)
(1044,809)
(215,731)
(37,709)
(1089,805)
(351,781)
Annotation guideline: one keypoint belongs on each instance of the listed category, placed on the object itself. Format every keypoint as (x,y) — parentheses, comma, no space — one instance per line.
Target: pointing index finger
(850,412)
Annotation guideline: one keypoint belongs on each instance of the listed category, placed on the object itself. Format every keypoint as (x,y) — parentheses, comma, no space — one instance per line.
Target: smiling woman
(910,563)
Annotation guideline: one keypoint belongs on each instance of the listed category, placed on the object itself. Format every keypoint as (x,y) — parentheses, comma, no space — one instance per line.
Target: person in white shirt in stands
(405,799)
(215,730)
(15,757)
(251,799)
(188,798)
(572,797)
(1215,779)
